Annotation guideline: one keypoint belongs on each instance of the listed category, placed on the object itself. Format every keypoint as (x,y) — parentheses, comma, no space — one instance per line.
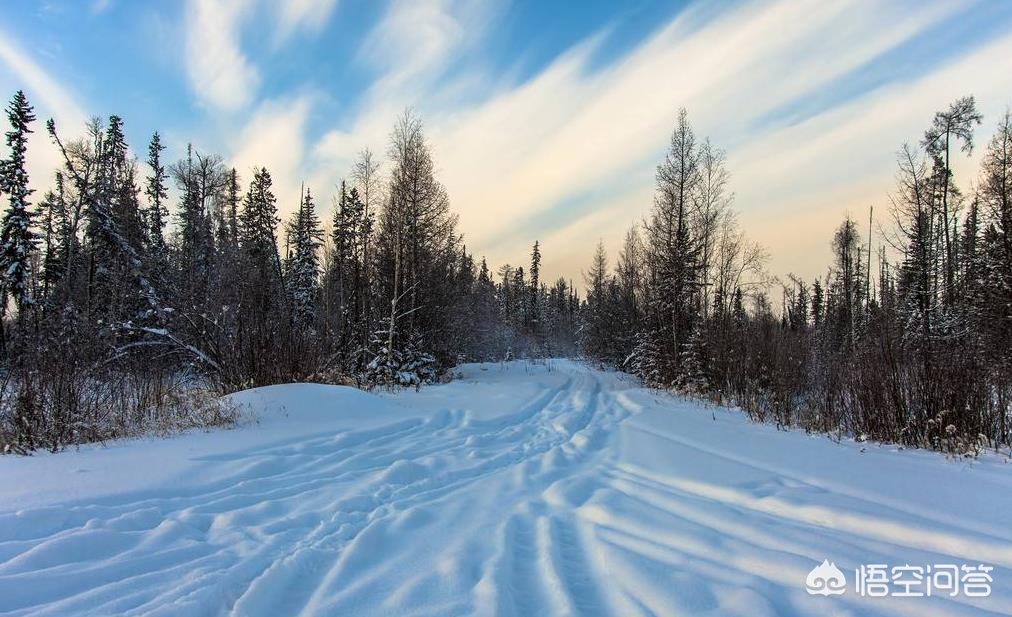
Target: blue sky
(547,118)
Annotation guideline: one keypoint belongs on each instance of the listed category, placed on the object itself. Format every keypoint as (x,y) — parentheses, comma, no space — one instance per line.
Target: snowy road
(516,490)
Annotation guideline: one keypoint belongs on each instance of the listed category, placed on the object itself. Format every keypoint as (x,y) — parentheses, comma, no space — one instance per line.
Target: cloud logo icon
(825,580)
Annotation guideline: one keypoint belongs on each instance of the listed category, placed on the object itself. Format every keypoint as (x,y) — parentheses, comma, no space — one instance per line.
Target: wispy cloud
(567,155)
(842,161)
(296,15)
(274,138)
(220,73)
(413,39)
(593,129)
(42,87)
(50,99)
(411,48)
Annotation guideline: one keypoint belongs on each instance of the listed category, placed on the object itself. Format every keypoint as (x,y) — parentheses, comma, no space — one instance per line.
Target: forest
(125,313)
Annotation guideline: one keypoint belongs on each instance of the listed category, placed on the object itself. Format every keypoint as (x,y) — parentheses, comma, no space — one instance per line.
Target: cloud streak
(296,15)
(50,100)
(567,155)
(220,74)
(583,141)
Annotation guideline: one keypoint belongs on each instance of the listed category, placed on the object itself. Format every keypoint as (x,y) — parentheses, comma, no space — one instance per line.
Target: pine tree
(596,333)
(203,180)
(520,301)
(233,201)
(120,185)
(304,269)
(914,211)
(846,292)
(534,312)
(365,173)
(348,273)
(817,303)
(17,240)
(258,239)
(157,192)
(486,315)
(629,275)
(996,194)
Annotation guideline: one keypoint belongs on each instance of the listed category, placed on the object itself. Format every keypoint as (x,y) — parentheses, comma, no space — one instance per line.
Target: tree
(629,277)
(817,303)
(17,239)
(347,271)
(417,246)
(846,292)
(675,244)
(258,239)
(534,310)
(596,335)
(157,192)
(366,174)
(232,208)
(996,195)
(714,206)
(303,267)
(203,181)
(955,124)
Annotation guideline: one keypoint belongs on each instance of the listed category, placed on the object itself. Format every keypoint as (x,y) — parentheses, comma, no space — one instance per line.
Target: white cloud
(50,100)
(590,137)
(411,46)
(220,74)
(417,40)
(573,132)
(412,38)
(274,138)
(45,90)
(843,160)
(295,15)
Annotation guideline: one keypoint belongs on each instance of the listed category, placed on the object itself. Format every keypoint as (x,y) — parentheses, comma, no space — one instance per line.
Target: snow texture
(519,489)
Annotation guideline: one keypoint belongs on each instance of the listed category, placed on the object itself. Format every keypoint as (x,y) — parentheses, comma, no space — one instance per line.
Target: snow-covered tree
(157,192)
(17,238)
(258,238)
(304,264)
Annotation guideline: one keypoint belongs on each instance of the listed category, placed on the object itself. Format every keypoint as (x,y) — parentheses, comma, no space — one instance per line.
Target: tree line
(118,306)
(908,342)
(123,310)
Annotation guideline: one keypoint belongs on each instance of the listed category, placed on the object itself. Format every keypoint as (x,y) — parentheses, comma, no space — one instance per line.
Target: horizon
(539,133)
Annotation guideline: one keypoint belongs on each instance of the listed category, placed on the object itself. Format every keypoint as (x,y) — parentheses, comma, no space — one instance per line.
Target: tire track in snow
(280,535)
(530,512)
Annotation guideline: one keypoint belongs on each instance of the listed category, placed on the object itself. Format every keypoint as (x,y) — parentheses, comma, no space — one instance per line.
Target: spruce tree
(157,192)
(17,240)
(996,194)
(232,212)
(534,312)
(304,266)
(258,239)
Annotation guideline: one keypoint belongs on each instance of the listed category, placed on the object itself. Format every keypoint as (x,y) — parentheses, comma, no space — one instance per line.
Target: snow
(518,489)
